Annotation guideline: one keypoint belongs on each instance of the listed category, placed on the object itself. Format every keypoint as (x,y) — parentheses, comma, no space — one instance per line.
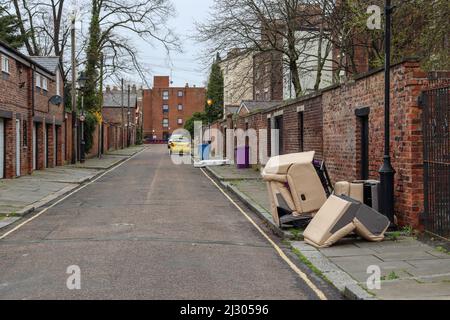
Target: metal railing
(436,142)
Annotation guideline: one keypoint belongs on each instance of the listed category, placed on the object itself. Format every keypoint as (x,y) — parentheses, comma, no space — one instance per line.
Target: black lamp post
(82,85)
(387,172)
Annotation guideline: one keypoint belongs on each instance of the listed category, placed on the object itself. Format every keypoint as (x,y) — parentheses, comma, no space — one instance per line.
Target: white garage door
(2,148)
(18,154)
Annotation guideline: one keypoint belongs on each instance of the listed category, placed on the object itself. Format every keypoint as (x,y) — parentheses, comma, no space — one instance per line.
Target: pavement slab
(231,172)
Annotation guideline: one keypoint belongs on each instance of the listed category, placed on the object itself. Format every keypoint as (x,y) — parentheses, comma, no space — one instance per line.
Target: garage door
(2,148)
(18,153)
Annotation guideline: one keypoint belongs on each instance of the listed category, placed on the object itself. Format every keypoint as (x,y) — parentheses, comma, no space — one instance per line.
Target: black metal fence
(436,138)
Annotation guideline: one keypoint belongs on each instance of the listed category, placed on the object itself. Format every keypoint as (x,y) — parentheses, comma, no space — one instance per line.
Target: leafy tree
(8,30)
(214,92)
(92,93)
(197,116)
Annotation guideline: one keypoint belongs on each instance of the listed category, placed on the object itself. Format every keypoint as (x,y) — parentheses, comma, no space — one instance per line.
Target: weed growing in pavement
(297,234)
(394,236)
(308,263)
(12,215)
(442,250)
(392,276)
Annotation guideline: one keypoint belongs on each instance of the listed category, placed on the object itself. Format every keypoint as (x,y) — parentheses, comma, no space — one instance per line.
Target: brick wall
(311,110)
(342,131)
(268,76)
(333,130)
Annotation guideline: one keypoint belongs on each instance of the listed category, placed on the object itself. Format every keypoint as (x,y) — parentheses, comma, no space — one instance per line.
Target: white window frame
(165,95)
(58,83)
(180,121)
(180,93)
(180,107)
(165,110)
(5,64)
(44,83)
(165,123)
(38,80)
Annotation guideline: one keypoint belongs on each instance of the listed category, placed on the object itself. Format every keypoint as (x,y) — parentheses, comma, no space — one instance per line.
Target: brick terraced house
(115,114)
(32,116)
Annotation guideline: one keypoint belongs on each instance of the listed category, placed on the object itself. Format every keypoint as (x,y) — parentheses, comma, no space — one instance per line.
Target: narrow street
(146,230)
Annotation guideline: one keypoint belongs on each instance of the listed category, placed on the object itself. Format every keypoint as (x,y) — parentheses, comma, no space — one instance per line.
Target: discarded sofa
(341,216)
(296,190)
(301,195)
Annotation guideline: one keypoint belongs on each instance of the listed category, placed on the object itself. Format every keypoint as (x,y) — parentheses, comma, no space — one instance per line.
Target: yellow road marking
(280,252)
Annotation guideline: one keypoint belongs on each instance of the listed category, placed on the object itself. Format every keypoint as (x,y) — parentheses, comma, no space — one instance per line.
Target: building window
(165,123)
(165,108)
(180,93)
(45,83)
(38,80)
(180,121)
(5,64)
(180,107)
(166,95)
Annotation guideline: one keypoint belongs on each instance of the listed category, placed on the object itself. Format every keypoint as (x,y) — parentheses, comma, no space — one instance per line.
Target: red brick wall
(268,76)
(341,131)
(333,130)
(312,126)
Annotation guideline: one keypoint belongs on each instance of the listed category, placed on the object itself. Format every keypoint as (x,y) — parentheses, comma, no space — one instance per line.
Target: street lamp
(82,85)
(209,102)
(387,172)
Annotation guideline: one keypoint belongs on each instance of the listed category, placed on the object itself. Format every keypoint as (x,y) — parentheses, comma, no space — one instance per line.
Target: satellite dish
(56,100)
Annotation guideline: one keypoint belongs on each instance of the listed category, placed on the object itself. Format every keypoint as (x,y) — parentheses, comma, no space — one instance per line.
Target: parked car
(179,144)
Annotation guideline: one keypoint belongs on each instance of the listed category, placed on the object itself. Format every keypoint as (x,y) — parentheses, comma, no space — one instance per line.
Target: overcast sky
(186,67)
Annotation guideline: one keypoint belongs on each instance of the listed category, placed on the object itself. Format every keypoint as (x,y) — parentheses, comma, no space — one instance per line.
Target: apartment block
(166,108)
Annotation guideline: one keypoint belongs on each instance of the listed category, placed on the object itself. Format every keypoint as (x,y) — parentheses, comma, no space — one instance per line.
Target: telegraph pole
(123,120)
(74,97)
(387,172)
(128,118)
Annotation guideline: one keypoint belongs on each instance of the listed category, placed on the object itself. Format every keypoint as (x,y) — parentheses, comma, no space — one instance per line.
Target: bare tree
(46,25)
(290,27)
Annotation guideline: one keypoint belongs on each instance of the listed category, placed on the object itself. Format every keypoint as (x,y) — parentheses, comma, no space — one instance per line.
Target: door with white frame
(18,147)
(2,148)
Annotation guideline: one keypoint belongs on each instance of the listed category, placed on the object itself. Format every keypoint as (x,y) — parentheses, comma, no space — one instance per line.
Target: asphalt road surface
(146,230)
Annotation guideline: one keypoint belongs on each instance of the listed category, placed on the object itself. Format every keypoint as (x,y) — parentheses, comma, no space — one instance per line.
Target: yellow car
(179,144)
